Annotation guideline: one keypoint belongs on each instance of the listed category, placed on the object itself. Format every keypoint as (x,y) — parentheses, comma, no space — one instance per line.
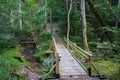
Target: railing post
(89,66)
(57,65)
(75,50)
(68,43)
(53,45)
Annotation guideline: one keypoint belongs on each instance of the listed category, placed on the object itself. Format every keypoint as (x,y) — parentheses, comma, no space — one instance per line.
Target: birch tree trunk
(51,21)
(118,8)
(45,11)
(68,21)
(12,20)
(117,22)
(20,20)
(83,13)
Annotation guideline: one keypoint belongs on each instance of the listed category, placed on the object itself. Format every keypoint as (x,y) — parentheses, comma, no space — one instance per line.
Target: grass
(107,67)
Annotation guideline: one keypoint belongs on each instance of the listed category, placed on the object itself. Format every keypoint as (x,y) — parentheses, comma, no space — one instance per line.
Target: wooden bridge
(67,67)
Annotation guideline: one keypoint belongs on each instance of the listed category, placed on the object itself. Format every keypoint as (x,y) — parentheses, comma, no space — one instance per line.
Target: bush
(7,38)
(48,64)
(43,44)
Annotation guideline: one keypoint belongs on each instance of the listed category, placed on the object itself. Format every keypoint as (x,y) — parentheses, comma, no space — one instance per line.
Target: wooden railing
(76,50)
(56,55)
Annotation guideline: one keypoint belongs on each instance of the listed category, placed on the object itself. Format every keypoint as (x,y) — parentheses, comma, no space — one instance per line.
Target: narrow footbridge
(67,61)
(67,66)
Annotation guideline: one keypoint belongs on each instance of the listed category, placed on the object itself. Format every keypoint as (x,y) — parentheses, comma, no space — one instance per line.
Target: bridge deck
(69,68)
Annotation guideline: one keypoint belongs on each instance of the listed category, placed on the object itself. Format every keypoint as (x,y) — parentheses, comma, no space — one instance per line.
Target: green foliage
(106,50)
(115,31)
(103,7)
(77,39)
(9,65)
(43,44)
(7,40)
(109,68)
(61,30)
(40,55)
(43,39)
(48,64)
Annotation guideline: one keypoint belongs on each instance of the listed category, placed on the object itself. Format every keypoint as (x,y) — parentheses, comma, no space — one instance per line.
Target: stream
(33,71)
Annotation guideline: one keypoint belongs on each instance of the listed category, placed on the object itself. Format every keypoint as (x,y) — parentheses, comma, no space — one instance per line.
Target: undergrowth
(10,62)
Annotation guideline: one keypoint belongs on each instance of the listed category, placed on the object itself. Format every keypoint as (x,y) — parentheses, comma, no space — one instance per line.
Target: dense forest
(27,27)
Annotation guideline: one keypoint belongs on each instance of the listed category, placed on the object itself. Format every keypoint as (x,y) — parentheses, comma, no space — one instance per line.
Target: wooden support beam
(49,51)
(93,65)
(46,76)
(89,66)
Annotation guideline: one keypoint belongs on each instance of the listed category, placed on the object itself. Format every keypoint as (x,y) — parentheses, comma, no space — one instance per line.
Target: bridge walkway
(69,68)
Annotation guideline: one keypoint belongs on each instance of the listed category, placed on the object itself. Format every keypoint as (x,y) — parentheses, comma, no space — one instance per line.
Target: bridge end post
(89,71)
(89,66)
(57,75)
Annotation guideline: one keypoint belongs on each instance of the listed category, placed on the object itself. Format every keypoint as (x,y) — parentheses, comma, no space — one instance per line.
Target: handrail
(56,54)
(80,50)
(54,44)
(84,53)
(45,76)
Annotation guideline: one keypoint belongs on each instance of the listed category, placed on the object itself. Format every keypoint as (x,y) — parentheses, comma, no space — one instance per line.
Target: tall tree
(69,8)
(20,11)
(118,8)
(84,24)
(83,13)
(12,20)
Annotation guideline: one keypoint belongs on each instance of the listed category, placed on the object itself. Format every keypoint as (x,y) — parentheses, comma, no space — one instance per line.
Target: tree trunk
(20,20)
(116,34)
(68,22)
(83,13)
(45,12)
(12,20)
(51,22)
(117,20)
